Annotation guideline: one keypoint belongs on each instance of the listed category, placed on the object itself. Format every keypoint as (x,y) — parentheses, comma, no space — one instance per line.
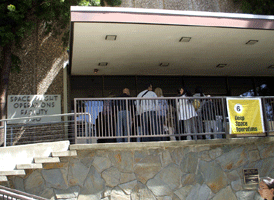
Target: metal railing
(268,108)
(156,119)
(27,133)
(133,119)
(12,194)
(149,119)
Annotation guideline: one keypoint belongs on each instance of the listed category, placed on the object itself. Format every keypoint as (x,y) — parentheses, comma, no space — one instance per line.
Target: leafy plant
(264,7)
(111,2)
(18,18)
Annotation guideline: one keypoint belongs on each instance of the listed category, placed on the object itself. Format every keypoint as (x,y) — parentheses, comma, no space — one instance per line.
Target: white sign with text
(33,105)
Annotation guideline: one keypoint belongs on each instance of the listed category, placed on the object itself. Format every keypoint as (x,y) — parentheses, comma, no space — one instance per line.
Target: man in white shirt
(147,111)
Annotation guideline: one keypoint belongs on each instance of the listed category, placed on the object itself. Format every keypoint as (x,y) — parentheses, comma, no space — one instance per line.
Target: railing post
(66,127)
(265,120)
(5,133)
(177,120)
(75,122)
(128,122)
(224,118)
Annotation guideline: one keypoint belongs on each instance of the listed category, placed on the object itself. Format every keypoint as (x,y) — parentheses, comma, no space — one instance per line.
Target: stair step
(47,160)
(30,166)
(3,179)
(13,172)
(64,153)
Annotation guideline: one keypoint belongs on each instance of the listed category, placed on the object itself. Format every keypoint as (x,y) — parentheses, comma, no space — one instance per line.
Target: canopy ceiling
(148,40)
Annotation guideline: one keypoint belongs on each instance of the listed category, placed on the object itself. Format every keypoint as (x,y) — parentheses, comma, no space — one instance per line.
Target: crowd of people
(164,119)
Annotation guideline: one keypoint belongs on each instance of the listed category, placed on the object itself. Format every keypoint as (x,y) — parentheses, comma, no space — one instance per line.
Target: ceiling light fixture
(103,64)
(251,42)
(164,64)
(185,39)
(95,71)
(110,37)
(271,67)
(221,65)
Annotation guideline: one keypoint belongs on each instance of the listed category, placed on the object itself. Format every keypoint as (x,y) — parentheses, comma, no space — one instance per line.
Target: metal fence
(268,108)
(156,119)
(106,120)
(27,133)
(149,119)
(12,194)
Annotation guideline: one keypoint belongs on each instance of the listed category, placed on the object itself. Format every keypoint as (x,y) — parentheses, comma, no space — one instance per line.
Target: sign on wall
(245,115)
(251,176)
(34,105)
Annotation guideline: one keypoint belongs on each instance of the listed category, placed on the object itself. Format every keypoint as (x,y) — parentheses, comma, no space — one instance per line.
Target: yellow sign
(245,115)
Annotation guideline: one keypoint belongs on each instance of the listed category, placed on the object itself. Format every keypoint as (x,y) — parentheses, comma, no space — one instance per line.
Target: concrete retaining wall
(164,170)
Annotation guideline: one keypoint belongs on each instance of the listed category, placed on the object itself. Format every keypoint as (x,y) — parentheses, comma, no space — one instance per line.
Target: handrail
(33,117)
(158,98)
(37,116)
(148,120)
(5,191)
(84,119)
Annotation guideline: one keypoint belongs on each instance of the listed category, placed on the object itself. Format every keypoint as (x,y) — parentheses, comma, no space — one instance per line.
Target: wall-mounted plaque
(251,176)
(34,105)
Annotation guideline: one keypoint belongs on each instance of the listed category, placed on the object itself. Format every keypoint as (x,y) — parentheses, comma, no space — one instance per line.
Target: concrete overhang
(147,42)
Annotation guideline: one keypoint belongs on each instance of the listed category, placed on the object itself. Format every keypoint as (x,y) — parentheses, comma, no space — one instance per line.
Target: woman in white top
(187,114)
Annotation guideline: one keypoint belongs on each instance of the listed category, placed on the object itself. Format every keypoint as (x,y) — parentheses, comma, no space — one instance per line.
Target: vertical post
(224,117)
(177,121)
(128,119)
(265,120)
(65,99)
(75,122)
(5,133)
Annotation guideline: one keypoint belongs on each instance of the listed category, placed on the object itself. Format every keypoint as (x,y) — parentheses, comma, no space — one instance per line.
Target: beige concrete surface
(24,154)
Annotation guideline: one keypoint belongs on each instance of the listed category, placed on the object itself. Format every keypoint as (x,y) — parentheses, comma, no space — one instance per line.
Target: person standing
(124,119)
(187,113)
(198,104)
(161,113)
(266,188)
(146,109)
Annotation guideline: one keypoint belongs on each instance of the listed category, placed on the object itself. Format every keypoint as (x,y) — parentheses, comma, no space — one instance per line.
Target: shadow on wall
(43,57)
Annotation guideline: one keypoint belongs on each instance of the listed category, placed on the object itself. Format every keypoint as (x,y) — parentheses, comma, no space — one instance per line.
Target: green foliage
(11,7)
(111,2)
(15,66)
(264,7)
(89,3)
(18,18)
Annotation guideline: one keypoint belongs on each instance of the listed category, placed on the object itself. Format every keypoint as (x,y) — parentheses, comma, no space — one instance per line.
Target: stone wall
(163,171)
(195,5)
(42,61)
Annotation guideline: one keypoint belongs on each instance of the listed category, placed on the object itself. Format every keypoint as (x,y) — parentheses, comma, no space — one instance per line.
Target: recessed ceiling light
(185,39)
(95,71)
(164,64)
(271,67)
(221,65)
(111,37)
(251,42)
(103,64)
